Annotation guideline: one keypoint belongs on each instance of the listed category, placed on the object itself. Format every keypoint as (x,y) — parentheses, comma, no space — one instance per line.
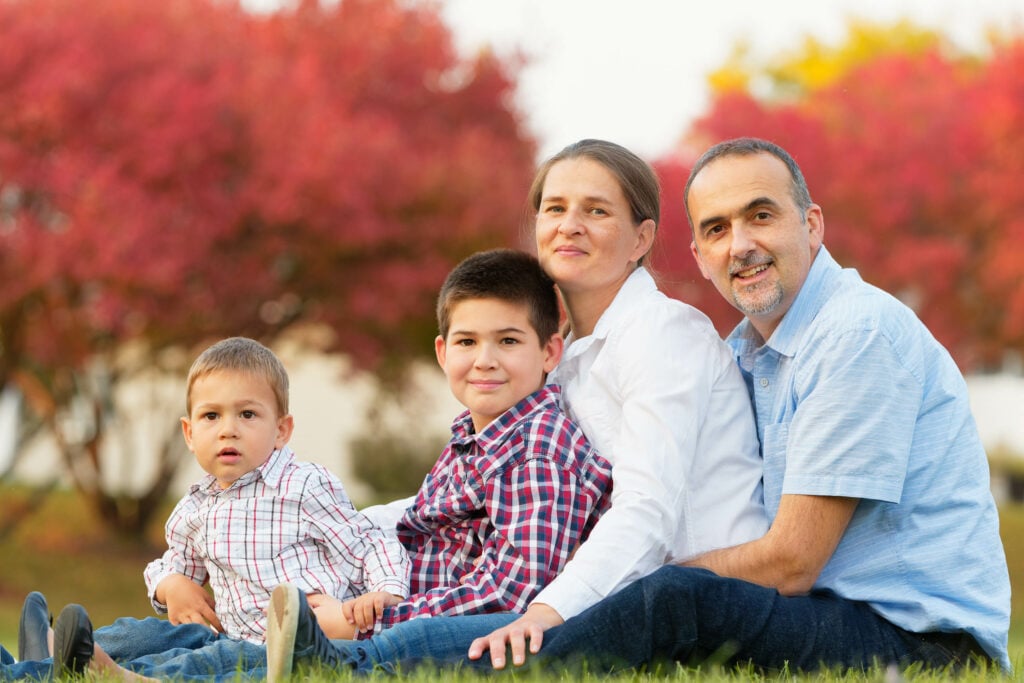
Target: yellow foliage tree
(814,65)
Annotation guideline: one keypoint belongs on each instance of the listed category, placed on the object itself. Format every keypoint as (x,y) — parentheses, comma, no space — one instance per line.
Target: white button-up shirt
(658,393)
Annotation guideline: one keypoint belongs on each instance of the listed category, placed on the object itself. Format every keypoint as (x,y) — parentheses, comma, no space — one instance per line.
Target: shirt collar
(809,300)
(271,472)
(636,285)
(496,432)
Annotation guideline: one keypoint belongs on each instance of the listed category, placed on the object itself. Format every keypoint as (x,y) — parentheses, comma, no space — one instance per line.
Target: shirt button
(764,382)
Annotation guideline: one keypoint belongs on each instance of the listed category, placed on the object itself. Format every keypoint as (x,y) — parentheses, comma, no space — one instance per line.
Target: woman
(653,387)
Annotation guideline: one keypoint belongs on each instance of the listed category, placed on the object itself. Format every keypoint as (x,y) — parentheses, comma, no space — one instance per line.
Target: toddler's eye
(248,414)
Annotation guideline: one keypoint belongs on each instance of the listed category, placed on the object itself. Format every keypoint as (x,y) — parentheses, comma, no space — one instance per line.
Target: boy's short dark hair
(504,274)
(243,355)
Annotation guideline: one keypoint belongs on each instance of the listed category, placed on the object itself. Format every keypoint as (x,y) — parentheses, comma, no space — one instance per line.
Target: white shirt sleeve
(643,395)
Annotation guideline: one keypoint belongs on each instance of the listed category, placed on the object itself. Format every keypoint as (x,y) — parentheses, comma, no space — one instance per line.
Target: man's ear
(700,263)
(440,349)
(553,351)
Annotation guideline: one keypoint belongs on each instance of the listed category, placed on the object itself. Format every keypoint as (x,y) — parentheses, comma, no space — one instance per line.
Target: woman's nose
(572,222)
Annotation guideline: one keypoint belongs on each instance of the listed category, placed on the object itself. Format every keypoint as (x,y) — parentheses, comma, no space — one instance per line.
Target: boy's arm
(352,540)
(537,511)
(175,581)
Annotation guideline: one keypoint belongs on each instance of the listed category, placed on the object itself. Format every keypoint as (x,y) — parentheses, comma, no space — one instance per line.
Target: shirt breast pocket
(776,441)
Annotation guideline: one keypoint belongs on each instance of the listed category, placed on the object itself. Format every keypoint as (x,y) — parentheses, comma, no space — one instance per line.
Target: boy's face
(493,357)
(234,425)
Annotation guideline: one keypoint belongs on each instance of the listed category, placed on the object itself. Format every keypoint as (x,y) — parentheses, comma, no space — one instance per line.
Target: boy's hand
(364,611)
(187,602)
(329,616)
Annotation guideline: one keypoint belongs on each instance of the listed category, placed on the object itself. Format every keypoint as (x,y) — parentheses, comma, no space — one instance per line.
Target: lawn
(62,552)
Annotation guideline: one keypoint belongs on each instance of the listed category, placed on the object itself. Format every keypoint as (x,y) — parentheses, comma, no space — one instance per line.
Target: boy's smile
(493,357)
(234,425)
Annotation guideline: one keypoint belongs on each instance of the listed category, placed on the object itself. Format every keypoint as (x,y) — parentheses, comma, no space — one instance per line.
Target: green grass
(63,552)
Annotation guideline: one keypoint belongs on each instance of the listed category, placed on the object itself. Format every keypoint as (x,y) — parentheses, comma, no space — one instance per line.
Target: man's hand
(364,611)
(187,602)
(531,626)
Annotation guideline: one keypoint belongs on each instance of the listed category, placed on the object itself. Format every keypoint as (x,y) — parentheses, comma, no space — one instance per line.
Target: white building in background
(329,402)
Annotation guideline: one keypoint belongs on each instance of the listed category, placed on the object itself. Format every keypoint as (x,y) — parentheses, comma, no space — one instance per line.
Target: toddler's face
(234,426)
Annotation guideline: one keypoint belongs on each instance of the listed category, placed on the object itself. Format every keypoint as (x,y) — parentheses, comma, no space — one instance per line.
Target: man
(884,546)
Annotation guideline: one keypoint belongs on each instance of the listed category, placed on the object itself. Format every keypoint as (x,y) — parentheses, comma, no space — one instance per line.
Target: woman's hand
(531,626)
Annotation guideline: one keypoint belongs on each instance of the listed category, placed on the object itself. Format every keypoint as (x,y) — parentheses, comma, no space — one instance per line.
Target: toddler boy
(257,519)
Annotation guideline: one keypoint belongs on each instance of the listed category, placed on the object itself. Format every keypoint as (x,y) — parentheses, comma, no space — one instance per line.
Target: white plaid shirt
(285,521)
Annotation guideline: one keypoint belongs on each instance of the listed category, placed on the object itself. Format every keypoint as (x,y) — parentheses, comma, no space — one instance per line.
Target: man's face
(750,239)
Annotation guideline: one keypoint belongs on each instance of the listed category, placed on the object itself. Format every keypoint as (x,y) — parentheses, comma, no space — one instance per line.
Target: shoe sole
(33,601)
(70,623)
(282,620)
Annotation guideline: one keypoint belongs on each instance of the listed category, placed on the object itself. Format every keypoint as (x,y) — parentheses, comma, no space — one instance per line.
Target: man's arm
(796,548)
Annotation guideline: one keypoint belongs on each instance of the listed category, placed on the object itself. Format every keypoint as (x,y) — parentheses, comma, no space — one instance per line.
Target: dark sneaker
(72,642)
(33,644)
(294,636)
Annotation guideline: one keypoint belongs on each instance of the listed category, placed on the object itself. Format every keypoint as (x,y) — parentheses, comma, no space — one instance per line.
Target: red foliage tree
(915,160)
(176,172)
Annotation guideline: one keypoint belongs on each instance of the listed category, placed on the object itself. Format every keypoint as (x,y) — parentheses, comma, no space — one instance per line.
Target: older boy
(518,485)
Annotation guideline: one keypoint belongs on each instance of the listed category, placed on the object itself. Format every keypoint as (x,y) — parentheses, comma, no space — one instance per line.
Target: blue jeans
(692,616)
(12,671)
(439,641)
(154,647)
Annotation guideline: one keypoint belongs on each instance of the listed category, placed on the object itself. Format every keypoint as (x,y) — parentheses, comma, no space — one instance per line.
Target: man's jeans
(692,616)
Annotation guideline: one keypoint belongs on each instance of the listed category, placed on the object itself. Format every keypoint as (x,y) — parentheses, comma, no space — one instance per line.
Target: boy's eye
(208,416)
(248,414)
(463,342)
(509,340)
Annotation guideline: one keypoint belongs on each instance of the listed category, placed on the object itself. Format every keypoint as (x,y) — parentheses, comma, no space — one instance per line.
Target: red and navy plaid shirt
(501,511)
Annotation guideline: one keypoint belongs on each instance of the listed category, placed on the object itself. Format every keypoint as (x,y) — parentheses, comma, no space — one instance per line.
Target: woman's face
(586,237)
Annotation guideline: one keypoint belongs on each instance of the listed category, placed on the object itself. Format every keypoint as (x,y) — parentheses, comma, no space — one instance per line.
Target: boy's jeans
(154,647)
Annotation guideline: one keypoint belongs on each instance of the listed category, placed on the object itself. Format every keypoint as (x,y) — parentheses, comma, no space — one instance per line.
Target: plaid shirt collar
(498,430)
(271,472)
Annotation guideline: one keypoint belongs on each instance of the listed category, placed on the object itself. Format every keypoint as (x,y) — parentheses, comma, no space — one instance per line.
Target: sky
(634,71)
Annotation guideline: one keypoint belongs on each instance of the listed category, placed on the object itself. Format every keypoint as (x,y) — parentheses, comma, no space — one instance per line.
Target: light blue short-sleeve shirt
(854,397)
